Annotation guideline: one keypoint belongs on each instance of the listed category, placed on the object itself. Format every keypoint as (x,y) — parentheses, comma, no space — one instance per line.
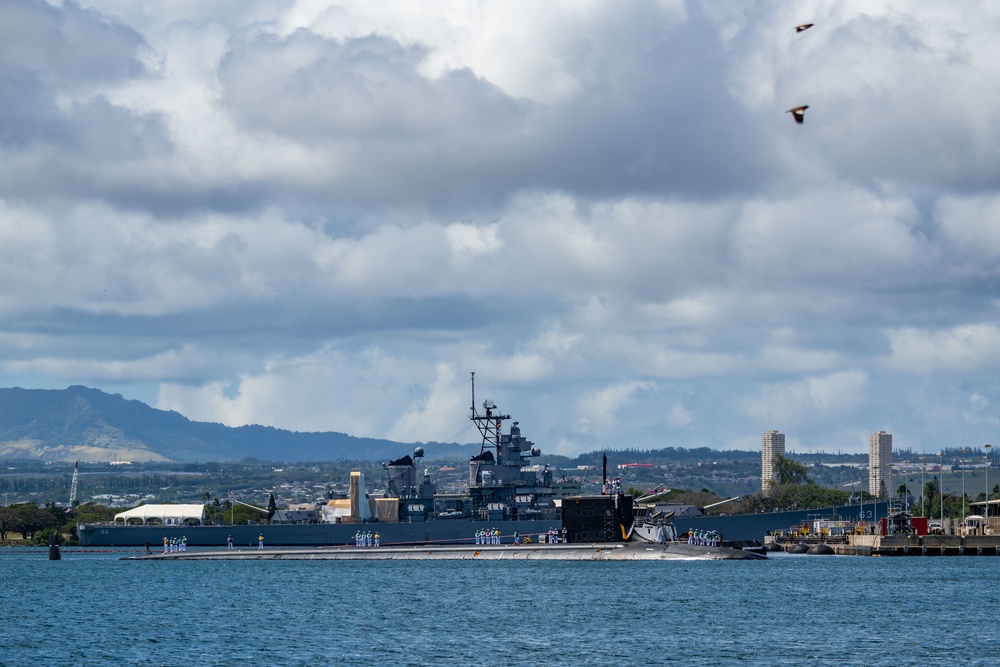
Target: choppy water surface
(94,609)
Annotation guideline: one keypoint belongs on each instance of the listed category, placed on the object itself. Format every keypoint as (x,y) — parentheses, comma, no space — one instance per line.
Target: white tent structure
(166,514)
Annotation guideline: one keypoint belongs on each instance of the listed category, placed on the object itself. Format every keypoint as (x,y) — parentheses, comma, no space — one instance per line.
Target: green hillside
(90,425)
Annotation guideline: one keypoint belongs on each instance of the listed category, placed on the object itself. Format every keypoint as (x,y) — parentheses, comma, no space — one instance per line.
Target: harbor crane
(73,484)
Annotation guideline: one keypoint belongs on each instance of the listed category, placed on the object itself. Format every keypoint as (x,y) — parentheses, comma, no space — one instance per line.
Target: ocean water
(94,609)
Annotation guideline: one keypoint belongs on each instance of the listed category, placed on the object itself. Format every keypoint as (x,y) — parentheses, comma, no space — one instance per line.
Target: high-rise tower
(772,444)
(880,464)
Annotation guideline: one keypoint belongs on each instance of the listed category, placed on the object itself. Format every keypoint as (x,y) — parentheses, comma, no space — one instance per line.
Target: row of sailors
(489,536)
(613,487)
(492,536)
(173,544)
(366,539)
(556,536)
(706,538)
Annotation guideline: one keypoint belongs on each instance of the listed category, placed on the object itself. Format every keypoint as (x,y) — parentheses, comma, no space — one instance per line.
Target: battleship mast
(490,425)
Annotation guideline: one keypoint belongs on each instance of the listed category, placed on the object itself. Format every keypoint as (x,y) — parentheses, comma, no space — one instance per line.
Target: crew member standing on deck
(166,543)
(229,542)
(376,538)
(260,541)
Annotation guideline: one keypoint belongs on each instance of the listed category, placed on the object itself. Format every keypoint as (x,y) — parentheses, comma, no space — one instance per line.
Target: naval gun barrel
(253,507)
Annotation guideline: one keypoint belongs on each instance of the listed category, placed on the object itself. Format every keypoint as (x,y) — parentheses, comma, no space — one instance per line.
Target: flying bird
(804,26)
(798,113)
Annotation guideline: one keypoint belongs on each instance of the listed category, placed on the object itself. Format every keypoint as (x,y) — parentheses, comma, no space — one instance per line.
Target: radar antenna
(490,425)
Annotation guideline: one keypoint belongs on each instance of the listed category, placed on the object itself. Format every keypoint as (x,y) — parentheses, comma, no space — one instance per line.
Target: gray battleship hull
(753,527)
(737,528)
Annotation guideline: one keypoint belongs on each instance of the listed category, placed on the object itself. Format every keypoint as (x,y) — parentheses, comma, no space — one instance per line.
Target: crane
(72,486)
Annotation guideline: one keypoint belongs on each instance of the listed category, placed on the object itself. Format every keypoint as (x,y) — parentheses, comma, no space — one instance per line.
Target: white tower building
(880,464)
(772,444)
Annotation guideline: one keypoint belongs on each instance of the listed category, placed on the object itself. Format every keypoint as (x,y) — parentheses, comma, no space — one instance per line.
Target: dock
(899,545)
(577,552)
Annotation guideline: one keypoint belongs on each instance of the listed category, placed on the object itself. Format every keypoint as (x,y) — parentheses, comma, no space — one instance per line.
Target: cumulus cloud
(794,405)
(59,130)
(972,348)
(324,216)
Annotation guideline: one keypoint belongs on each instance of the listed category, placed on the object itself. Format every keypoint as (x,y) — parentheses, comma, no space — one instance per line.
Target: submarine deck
(593,552)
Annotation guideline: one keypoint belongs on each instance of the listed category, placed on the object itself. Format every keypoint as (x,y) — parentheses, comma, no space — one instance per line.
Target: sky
(325,216)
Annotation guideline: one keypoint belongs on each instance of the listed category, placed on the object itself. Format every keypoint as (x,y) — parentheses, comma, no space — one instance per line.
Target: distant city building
(880,464)
(772,445)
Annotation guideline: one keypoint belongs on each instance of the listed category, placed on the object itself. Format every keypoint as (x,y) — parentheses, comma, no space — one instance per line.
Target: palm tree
(931,492)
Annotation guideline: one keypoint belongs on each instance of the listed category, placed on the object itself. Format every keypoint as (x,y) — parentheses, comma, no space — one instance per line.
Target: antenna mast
(490,425)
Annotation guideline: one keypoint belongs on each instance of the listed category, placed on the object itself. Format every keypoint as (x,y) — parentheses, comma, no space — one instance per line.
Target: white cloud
(599,409)
(817,398)
(436,413)
(971,348)
(679,416)
(971,226)
(323,216)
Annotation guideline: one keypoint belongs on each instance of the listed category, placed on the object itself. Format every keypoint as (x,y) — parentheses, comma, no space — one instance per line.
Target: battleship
(506,494)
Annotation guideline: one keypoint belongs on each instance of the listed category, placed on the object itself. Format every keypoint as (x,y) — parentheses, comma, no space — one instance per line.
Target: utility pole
(923,489)
(987,512)
(941,490)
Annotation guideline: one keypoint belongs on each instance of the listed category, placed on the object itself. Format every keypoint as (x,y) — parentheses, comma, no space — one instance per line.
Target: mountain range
(80,423)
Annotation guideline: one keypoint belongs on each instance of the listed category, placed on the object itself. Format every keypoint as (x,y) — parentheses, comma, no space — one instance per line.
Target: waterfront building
(772,445)
(880,464)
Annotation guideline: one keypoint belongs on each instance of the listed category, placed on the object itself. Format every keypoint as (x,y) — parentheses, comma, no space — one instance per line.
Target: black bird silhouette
(804,26)
(798,113)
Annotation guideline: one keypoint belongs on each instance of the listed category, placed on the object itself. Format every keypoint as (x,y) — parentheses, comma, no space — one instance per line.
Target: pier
(898,545)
